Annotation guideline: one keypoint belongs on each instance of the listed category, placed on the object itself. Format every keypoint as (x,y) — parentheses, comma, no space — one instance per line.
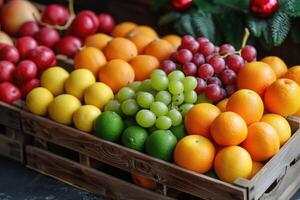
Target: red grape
(213,92)
(223,93)
(189,69)
(68,46)
(9,53)
(206,48)
(226,49)
(173,56)
(205,71)
(235,62)
(198,59)
(217,49)
(25,71)
(106,23)
(201,40)
(228,76)
(187,39)
(25,45)
(55,15)
(201,85)
(214,80)
(193,46)
(249,53)
(184,55)
(217,63)
(43,57)
(29,28)
(168,66)
(209,57)
(47,37)
(230,89)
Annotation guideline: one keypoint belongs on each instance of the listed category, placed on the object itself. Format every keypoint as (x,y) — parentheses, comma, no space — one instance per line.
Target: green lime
(160,144)
(178,131)
(109,126)
(134,137)
(129,122)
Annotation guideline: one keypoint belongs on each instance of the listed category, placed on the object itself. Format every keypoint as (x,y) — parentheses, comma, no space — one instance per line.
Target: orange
(232,162)
(143,181)
(175,40)
(98,40)
(143,65)
(90,58)
(277,64)
(280,124)
(195,152)
(256,76)
(228,129)
(120,48)
(256,166)
(199,118)
(116,74)
(297,113)
(282,97)
(161,49)
(141,36)
(222,105)
(294,74)
(247,104)
(122,29)
(262,141)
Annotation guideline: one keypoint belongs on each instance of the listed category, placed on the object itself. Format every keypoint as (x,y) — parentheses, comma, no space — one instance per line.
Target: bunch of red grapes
(215,67)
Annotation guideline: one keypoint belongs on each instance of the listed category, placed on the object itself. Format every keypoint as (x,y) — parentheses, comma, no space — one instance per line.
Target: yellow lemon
(38,100)
(54,80)
(62,108)
(85,116)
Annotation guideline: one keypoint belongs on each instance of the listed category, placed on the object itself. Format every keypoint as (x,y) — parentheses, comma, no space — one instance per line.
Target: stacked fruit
(215,68)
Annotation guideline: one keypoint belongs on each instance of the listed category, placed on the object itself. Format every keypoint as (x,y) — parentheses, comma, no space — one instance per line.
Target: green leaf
(169,18)
(266,38)
(292,8)
(203,25)
(280,27)
(184,26)
(207,6)
(256,26)
(295,32)
(238,5)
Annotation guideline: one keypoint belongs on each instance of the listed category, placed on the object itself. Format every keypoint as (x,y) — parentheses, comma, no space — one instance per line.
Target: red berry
(68,46)
(168,66)
(85,23)
(226,49)
(55,15)
(28,86)
(230,89)
(206,48)
(184,55)
(43,57)
(228,77)
(205,71)
(47,37)
(9,93)
(29,28)
(106,23)
(9,53)
(198,59)
(189,69)
(213,92)
(25,45)
(217,63)
(7,70)
(235,62)
(201,85)
(25,71)
(249,53)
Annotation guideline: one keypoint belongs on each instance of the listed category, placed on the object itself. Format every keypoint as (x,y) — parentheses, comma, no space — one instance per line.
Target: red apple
(9,93)
(7,70)
(9,53)
(106,23)
(28,86)
(25,45)
(25,71)
(43,57)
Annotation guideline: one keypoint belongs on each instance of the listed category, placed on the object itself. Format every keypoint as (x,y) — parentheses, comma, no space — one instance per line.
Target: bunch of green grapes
(161,101)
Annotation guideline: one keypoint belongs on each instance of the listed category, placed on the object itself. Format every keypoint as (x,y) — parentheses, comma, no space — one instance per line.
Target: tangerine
(161,49)
(294,74)
(175,40)
(98,40)
(277,64)
(122,29)
(143,65)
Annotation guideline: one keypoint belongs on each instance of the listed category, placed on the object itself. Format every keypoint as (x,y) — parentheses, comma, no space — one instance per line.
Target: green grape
(159,108)
(178,99)
(163,123)
(113,105)
(145,99)
(158,72)
(145,118)
(135,85)
(164,97)
(175,87)
(129,107)
(190,96)
(146,86)
(125,93)
(176,75)
(184,108)
(175,116)
(159,82)
(189,83)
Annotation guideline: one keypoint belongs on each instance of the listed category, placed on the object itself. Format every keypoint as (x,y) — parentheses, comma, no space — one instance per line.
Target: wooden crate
(278,174)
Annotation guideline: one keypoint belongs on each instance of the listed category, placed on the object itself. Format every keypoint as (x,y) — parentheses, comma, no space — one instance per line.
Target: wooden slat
(130,160)
(86,178)
(11,148)
(10,116)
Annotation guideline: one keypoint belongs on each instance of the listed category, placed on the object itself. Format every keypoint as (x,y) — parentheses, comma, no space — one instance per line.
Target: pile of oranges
(131,53)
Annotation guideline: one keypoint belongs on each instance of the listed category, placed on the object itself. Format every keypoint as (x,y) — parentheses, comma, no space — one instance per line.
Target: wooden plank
(10,116)
(11,148)
(84,160)
(89,179)
(130,160)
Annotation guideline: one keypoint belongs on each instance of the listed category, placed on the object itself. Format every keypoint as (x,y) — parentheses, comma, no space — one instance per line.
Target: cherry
(55,15)
(47,37)
(29,28)
(68,46)
(106,23)
(25,45)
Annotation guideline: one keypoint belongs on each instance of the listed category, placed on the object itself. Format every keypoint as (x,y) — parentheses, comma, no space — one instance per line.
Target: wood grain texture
(86,178)
(10,116)
(129,160)
(11,148)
